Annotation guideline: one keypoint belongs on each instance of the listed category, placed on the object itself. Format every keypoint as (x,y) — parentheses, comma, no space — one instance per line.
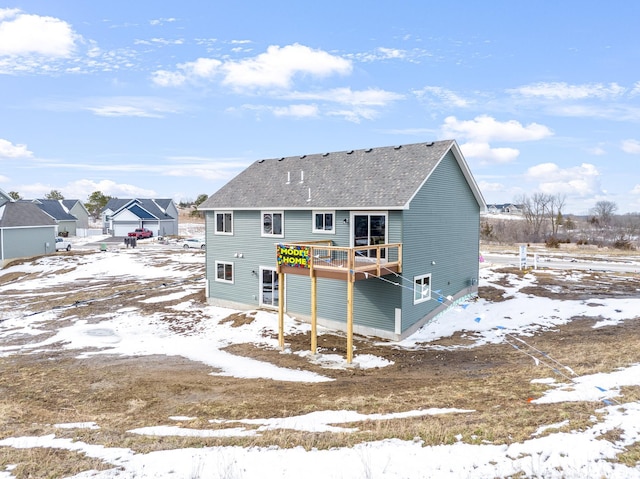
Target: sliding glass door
(369,229)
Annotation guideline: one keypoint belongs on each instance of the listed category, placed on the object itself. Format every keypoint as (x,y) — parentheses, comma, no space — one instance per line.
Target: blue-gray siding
(441,237)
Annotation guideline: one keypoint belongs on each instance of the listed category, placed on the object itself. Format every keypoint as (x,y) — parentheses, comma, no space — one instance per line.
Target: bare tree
(603,212)
(534,210)
(554,210)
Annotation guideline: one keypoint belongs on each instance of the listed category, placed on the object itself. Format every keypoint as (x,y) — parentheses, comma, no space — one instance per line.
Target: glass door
(269,291)
(369,230)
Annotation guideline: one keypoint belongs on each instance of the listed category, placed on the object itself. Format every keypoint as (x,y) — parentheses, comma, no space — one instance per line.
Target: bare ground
(122,393)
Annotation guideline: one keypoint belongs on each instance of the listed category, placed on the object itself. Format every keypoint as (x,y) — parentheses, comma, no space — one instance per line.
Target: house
(120,216)
(388,236)
(77,209)
(67,223)
(505,208)
(25,230)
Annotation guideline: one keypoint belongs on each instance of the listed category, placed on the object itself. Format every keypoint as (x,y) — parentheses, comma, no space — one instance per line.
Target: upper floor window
(421,288)
(224,223)
(273,223)
(323,222)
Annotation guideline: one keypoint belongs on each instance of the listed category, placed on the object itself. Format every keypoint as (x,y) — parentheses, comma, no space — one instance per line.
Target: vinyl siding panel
(441,237)
(374,300)
(23,242)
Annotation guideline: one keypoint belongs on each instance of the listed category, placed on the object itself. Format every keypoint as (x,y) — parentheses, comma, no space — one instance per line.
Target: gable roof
(23,213)
(373,178)
(55,209)
(144,208)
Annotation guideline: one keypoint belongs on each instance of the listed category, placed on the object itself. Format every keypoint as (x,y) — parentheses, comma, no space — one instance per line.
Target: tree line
(542,221)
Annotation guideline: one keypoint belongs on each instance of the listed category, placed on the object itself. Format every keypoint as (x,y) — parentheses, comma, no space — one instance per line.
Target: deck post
(281,296)
(350,281)
(314,315)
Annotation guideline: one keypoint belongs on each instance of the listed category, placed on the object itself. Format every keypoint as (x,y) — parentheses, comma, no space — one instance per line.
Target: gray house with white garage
(120,216)
(25,230)
(381,238)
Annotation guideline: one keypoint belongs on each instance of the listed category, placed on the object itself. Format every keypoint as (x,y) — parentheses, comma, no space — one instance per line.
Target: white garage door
(123,229)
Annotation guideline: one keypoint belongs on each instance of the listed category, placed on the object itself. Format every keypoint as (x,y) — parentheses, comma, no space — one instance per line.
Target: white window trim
(215,222)
(424,298)
(332,231)
(270,212)
(233,272)
(353,214)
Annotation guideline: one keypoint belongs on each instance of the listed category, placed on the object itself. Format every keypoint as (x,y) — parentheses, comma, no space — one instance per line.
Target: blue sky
(172,99)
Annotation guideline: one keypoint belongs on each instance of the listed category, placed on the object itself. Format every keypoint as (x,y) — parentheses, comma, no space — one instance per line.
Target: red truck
(140,233)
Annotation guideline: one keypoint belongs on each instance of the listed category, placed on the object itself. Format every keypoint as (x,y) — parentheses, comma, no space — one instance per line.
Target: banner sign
(293,255)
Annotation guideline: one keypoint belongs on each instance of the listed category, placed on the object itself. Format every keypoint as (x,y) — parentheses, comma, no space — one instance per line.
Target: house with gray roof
(67,223)
(121,216)
(77,209)
(25,230)
(379,240)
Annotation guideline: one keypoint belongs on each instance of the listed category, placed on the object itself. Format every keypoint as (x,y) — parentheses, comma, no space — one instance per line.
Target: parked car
(62,244)
(141,233)
(194,243)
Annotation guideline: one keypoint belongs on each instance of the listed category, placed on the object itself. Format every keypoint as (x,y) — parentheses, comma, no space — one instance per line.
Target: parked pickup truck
(141,233)
(62,244)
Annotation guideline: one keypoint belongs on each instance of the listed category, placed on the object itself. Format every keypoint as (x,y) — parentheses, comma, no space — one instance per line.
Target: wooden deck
(322,260)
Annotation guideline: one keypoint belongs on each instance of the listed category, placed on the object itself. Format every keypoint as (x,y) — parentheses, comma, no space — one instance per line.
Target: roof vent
(430,143)
(281,159)
(397,147)
(260,161)
(303,156)
(325,154)
(368,150)
(349,152)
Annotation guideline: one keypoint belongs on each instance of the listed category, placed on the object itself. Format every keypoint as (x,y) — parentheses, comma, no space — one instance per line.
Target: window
(273,224)
(224,223)
(421,288)
(323,222)
(224,272)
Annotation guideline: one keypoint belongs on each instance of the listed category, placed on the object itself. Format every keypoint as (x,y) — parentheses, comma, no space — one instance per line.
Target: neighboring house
(77,209)
(25,230)
(67,223)
(505,208)
(399,223)
(120,216)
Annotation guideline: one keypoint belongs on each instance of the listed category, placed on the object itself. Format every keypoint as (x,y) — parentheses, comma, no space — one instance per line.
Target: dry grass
(40,390)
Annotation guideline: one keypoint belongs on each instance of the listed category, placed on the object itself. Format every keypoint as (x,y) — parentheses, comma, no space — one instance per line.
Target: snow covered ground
(575,454)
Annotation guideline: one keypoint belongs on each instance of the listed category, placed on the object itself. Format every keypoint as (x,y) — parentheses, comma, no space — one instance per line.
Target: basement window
(421,288)
(224,272)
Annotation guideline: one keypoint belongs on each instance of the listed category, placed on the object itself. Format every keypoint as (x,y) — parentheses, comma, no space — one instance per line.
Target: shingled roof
(373,178)
(55,209)
(14,214)
(144,208)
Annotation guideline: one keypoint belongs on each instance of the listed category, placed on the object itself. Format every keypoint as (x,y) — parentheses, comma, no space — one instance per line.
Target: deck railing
(378,259)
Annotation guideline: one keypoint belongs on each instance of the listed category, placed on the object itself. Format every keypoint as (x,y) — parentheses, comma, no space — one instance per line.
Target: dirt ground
(122,393)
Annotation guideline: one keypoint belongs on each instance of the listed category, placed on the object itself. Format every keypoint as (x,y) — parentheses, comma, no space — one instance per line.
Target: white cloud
(631,146)
(277,66)
(636,190)
(485,129)
(579,180)
(83,188)
(4,179)
(9,150)
(23,34)
(298,111)
(274,68)
(448,97)
(565,91)
(484,152)
(141,107)
(346,96)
